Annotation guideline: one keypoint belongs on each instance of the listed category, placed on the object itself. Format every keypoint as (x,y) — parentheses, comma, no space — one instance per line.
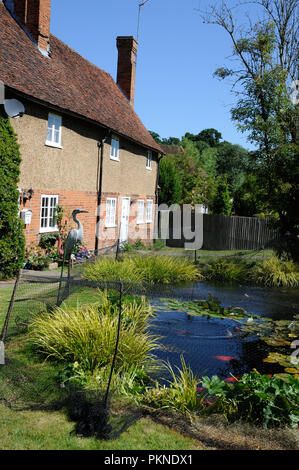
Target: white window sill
(53,144)
(110,226)
(48,230)
(114,159)
(148,222)
(140,223)
(149,168)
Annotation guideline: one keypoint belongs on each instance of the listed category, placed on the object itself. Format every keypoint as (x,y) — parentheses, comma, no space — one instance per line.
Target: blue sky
(175,89)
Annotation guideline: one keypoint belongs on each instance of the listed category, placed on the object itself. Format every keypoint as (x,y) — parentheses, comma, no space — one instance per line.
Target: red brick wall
(69,200)
(85,200)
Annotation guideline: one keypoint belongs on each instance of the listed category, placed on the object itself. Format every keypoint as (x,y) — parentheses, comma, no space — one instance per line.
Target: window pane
(149,210)
(57,136)
(114,148)
(140,211)
(110,212)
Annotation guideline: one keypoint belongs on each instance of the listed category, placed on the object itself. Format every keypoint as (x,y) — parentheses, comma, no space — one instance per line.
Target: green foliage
(12,241)
(256,398)
(149,269)
(170,184)
(36,258)
(226,270)
(87,334)
(209,308)
(181,395)
(222,204)
(275,272)
(248,198)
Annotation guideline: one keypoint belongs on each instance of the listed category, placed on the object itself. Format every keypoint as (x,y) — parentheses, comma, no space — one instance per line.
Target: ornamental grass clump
(106,269)
(87,335)
(148,269)
(225,270)
(182,394)
(274,272)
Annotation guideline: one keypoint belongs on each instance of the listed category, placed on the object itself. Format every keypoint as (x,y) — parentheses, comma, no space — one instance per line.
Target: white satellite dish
(14,108)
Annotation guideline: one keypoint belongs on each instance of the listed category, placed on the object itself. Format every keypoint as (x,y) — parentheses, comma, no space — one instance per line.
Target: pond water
(216,346)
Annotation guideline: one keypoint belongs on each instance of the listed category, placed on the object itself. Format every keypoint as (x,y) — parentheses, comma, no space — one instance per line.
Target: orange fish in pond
(181,332)
(225,358)
(231,379)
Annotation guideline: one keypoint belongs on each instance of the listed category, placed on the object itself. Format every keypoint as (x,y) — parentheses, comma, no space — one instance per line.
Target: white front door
(124,220)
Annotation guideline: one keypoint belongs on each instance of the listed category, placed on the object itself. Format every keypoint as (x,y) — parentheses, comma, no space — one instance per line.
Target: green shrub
(256,398)
(87,335)
(12,241)
(277,273)
(226,270)
(150,269)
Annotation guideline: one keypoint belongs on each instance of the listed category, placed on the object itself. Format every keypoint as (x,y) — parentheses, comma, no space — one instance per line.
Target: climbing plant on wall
(12,241)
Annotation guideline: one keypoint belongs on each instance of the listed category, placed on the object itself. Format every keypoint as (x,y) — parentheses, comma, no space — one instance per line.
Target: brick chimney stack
(35,16)
(126,68)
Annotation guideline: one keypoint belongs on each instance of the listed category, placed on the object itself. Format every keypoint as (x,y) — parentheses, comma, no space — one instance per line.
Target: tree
(12,242)
(155,136)
(232,161)
(222,204)
(248,198)
(170,191)
(266,56)
(211,136)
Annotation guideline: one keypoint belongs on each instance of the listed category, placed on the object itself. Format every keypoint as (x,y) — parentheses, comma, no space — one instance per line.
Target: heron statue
(75,236)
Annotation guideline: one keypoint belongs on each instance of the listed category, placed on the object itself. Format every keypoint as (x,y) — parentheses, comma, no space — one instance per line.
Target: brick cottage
(82,144)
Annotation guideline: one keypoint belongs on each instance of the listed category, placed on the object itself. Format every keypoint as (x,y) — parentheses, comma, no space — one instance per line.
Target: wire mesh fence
(210,345)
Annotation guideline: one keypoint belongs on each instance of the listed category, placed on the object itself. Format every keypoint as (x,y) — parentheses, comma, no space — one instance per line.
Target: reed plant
(226,270)
(182,394)
(275,272)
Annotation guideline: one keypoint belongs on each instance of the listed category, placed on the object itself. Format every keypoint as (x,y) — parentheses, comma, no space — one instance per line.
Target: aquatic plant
(256,398)
(226,270)
(210,308)
(182,393)
(274,272)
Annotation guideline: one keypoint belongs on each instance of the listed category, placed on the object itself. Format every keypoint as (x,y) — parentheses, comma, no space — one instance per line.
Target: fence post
(10,307)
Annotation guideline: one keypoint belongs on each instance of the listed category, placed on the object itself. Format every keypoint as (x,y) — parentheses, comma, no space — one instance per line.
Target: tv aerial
(141,4)
(14,108)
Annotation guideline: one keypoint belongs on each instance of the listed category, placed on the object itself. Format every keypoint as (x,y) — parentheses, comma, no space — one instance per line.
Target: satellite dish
(14,108)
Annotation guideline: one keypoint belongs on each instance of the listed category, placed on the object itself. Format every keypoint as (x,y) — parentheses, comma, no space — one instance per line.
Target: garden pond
(217,339)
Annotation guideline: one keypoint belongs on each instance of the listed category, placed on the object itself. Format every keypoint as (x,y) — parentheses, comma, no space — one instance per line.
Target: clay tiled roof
(67,81)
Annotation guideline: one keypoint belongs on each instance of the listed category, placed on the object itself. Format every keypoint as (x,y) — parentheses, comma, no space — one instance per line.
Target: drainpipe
(100,146)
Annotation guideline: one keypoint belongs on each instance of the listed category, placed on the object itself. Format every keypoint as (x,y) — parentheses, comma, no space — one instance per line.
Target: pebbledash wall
(72,173)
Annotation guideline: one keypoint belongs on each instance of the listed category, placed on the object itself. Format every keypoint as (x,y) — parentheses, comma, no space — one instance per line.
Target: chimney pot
(126,68)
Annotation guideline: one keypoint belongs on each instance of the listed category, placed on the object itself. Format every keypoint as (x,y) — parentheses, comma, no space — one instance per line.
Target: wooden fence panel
(222,232)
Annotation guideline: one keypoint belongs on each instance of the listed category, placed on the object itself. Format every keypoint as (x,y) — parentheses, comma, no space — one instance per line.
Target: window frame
(49,228)
(52,143)
(108,223)
(147,219)
(149,159)
(140,220)
(112,156)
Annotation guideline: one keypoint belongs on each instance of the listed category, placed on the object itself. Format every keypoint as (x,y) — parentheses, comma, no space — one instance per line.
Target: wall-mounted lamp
(27,195)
